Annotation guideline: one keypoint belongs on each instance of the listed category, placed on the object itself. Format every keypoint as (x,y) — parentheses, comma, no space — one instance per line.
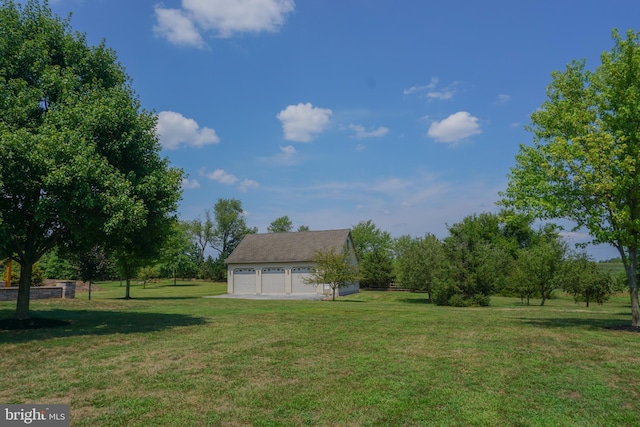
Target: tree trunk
(632,270)
(174,277)
(334,293)
(127,295)
(24,288)
(90,282)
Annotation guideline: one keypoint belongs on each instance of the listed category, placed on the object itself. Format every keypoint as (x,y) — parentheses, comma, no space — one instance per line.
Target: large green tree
(477,249)
(202,232)
(584,164)
(230,226)
(420,262)
(374,248)
(79,158)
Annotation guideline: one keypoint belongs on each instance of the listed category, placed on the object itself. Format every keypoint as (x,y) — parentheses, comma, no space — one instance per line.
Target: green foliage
(367,237)
(76,149)
(539,269)
(94,264)
(37,275)
(478,259)
(420,263)
(202,233)
(148,273)
(335,269)
(281,225)
(230,226)
(56,267)
(180,254)
(585,281)
(374,249)
(584,164)
(376,270)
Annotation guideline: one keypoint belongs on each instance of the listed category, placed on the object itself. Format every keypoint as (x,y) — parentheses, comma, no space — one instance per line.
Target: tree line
(482,255)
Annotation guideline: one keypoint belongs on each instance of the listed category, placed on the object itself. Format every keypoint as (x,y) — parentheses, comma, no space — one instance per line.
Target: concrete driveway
(306,297)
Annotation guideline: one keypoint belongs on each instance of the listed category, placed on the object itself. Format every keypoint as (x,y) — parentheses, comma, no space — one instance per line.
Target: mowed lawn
(170,357)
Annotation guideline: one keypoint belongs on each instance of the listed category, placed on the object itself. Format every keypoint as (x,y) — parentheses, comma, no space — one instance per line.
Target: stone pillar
(68,289)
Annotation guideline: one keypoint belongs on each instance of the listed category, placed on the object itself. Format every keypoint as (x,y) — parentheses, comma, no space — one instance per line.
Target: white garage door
(244,281)
(298,286)
(273,280)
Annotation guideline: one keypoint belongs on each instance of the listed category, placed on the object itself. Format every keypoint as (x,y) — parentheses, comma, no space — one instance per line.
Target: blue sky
(405,112)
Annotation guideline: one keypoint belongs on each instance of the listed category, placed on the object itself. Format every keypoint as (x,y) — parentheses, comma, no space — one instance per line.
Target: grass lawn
(170,357)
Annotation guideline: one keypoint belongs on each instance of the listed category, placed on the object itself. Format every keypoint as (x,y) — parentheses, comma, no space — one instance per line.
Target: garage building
(278,263)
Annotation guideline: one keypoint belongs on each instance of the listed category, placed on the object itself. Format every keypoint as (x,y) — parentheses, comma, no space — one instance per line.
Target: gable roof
(287,247)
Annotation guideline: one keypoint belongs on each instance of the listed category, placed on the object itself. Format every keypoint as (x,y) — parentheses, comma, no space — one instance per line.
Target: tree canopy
(280,225)
(584,164)
(79,157)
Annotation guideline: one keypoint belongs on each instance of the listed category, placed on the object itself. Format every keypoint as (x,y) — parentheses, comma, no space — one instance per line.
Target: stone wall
(61,290)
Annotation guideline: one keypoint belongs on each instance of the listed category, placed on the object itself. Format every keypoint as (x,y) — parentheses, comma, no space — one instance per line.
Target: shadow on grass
(415,300)
(572,322)
(70,323)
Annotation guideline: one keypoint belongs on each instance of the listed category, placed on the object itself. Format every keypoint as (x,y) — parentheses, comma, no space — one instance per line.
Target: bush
(458,300)
(480,300)
(37,276)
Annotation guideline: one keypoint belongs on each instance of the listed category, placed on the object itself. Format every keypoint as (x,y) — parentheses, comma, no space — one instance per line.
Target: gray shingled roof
(287,247)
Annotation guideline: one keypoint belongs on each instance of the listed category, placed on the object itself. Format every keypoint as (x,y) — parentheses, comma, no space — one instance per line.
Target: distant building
(278,263)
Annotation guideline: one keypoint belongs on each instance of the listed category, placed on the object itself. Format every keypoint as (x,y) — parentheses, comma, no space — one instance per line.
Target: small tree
(540,267)
(280,225)
(335,269)
(582,278)
(91,265)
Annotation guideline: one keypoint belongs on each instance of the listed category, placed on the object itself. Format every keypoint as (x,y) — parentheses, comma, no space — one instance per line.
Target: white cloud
(224,18)
(287,156)
(454,128)
(360,147)
(222,176)
(421,88)
(190,184)
(248,184)
(177,27)
(432,91)
(303,122)
(175,130)
(361,132)
(503,99)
